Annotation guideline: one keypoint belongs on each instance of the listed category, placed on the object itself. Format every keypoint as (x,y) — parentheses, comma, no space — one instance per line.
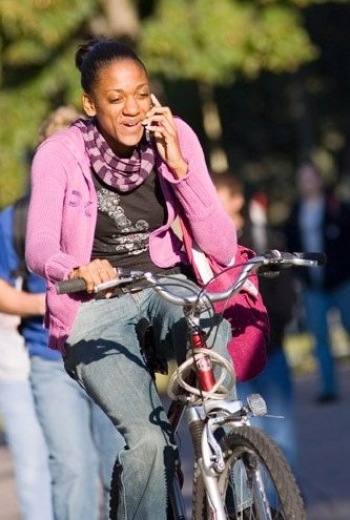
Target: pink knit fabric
(63,211)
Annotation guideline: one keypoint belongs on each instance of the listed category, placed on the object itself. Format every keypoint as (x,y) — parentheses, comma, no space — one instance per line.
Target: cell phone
(148,135)
(155,103)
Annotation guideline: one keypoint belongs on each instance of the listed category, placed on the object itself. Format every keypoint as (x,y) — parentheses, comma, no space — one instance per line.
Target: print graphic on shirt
(130,238)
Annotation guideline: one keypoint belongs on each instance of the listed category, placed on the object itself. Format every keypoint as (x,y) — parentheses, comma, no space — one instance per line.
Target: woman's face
(120,101)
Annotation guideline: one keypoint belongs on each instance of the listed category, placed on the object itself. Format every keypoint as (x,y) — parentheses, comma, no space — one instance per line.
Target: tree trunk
(212,125)
(119,19)
(300,113)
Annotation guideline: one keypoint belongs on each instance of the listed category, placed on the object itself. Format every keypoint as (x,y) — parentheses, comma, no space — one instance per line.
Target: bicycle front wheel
(256,484)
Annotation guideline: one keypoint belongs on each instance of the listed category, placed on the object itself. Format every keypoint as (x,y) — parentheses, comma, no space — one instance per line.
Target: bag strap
(198,260)
(205,268)
(19,225)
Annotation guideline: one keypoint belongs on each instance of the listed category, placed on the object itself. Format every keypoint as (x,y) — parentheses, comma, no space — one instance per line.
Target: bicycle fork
(203,451)
(211,462)
(208,455)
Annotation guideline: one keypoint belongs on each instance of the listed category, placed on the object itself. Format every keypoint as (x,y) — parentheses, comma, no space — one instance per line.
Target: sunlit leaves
(215,41)
(38,39)
(211,41)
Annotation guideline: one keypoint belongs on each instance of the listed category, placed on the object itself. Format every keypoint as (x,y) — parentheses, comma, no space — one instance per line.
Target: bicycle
(239,472)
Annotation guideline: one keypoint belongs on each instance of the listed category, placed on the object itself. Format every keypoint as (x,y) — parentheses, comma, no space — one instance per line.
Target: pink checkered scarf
(120,173)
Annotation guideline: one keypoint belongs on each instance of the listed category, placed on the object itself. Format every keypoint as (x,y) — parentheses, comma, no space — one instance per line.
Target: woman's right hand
(95,272)
(160,121)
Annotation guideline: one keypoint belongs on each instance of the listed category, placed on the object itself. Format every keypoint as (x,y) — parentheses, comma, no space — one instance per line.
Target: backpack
(19,225)
(245,311)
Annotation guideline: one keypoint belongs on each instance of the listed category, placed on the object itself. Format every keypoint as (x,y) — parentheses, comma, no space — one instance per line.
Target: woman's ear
(89,105)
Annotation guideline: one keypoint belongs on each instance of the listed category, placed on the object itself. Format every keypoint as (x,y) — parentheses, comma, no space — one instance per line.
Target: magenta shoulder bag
(245,311)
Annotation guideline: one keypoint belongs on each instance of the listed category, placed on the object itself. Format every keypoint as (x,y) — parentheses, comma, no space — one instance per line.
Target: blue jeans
(275,385)
(317,306)
(82,441)
(104,355)
(28,450)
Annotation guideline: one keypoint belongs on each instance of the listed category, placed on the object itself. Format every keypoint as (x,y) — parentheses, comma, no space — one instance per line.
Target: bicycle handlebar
(78,284)
(298,259)
(272,259)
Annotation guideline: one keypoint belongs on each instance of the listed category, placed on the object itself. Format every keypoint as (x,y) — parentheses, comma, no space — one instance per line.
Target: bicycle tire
(254,449)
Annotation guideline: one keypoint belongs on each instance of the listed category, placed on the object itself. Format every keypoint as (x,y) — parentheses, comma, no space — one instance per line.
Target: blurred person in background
(320,222)
(82,441)
(22,429)
(275,383)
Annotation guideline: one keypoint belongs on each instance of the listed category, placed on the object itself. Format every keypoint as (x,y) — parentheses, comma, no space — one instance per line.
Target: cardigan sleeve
(44,255)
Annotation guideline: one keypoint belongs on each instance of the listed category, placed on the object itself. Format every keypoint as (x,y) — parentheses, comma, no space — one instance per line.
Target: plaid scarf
(120,173)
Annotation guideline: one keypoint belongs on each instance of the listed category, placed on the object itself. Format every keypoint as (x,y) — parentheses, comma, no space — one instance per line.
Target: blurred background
(264,83)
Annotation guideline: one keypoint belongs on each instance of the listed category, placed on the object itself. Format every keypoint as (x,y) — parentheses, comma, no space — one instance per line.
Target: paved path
(8,504)
(324,450)
(324,447)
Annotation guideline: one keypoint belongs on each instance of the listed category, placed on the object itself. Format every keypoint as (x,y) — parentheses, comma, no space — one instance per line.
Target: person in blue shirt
(82,442)
(22,429)
(81,439)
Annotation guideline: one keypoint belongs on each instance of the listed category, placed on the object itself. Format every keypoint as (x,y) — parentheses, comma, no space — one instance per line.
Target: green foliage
(38,40)
(203,40)
(46,22)
(215,42)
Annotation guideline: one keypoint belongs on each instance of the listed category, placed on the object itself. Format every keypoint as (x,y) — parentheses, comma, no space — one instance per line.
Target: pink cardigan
(63,211)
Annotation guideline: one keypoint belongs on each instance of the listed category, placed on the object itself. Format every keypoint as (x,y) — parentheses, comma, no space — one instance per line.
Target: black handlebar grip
(71,286)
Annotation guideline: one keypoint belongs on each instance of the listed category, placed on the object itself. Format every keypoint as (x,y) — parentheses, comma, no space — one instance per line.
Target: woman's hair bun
(82,52)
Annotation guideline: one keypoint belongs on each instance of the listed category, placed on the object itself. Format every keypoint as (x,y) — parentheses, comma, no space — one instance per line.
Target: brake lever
(270,271)
(124,276)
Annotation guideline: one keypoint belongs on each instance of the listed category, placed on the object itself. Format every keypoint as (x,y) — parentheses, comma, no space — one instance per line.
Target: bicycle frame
(207,401)
(202,426)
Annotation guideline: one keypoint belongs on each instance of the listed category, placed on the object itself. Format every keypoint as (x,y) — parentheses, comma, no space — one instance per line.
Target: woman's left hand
(160,121)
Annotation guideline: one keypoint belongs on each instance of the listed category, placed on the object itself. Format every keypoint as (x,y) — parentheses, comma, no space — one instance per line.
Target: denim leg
(170,335)
(104,353)
(317,304)
(275,386)
(64,411)
(28,449)
(341,300)
(109,443)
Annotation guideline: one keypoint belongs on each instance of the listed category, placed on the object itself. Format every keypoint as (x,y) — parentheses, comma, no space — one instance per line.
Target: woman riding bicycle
(105,193)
